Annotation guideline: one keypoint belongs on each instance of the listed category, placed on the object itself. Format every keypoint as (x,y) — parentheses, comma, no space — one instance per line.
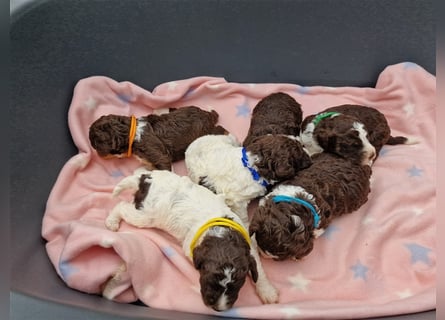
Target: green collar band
(324,115)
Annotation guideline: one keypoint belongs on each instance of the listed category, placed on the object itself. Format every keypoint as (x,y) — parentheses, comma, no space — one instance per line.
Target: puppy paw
(112,223)
(267,293)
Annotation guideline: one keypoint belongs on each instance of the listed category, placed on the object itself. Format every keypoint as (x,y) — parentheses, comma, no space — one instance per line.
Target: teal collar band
(289,199)
(324,115)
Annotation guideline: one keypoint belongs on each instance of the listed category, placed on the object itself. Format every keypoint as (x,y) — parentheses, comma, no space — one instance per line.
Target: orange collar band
(131,135)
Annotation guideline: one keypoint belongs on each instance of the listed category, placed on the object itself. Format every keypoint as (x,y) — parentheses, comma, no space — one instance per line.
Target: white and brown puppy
(277,113)
(156,140)
(354,132)
(212,236)
(295,212)
(241,174)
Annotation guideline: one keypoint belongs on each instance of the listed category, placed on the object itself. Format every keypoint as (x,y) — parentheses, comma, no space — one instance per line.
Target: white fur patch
(140,129)
(368,148)
(308,140)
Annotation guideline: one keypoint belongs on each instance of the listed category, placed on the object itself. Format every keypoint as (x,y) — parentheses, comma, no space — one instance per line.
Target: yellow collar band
(218,222)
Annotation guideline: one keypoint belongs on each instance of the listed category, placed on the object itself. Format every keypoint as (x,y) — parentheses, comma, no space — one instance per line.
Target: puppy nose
(372,155)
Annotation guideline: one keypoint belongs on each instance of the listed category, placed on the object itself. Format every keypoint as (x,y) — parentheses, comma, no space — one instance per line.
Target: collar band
(131,135)
(255,175)
(324,115)
(219,222)
(289,199)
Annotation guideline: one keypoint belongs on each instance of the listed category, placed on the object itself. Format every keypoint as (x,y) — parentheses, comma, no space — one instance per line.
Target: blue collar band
(289,199)
(255,175)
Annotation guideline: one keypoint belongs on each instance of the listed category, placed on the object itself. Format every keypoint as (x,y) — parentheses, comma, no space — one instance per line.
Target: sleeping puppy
(212,236)
(241,174)
(295,212)
(277,113)
(156,140)
(354,132)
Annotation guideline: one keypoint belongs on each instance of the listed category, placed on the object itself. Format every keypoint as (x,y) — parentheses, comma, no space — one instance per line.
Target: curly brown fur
(331,184)
(335,134)
(164,137)
(277,113)
(279,157)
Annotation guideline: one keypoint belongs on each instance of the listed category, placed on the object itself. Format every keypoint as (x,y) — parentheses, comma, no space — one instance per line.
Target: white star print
(418,212)
(106,242)
(172,85)
(409,109)
(214,86)
(290,312)
(298,281)
(368,220)
(404,294)
(80,161)
(90,104)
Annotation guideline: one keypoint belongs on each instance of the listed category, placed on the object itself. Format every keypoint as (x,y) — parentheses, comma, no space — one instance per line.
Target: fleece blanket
(379,260)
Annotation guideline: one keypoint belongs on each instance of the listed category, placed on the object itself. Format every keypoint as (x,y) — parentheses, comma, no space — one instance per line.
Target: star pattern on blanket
(383,152)
(360,270)
(243,110)
(409,109)
(414,171)
(404,294)
(125,97)
(303,89)
(418,253)
(290,312)
(330,231)
(417,211)
(171,86)
(190,91)
(299,282)
(410,65)
(116,174)
(367,220)
(168,251)
(90,103)
(66,269)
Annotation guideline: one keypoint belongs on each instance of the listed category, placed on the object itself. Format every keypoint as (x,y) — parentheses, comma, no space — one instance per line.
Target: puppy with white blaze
(354,132)
(241,174)
(212,236)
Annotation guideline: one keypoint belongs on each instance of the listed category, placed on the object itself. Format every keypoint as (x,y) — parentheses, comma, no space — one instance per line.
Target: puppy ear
(326,138)
(199,254)
(253,268)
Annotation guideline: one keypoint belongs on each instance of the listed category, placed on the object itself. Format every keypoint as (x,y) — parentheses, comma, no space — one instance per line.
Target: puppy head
(223,264)
(109,135)
(346,137)
(279,157)
(283,230)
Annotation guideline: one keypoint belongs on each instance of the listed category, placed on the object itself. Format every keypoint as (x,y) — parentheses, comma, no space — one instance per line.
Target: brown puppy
(354,132)
(295,212)
(159,140)
(277,113)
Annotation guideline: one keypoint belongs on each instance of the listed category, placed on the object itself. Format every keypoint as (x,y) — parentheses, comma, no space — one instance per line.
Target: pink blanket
(380,260)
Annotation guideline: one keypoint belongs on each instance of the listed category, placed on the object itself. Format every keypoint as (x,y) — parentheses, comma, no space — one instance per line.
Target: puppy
(240,174)
(221,251)
(156,140)
(354,132)
(277,113)
(295,212)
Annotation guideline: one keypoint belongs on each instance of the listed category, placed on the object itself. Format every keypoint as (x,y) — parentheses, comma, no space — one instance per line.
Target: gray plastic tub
(55,43)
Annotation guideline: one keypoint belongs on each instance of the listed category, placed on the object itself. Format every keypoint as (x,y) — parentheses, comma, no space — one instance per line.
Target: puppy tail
(401,140)
(130,182)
